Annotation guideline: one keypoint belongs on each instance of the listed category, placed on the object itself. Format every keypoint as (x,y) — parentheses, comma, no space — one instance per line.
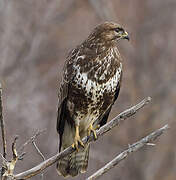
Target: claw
(92,129)
(77,140)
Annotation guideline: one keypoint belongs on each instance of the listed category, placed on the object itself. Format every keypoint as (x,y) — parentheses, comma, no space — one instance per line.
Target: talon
(98,126)
(81,143)
(77,140)
(73,146)
(91,129)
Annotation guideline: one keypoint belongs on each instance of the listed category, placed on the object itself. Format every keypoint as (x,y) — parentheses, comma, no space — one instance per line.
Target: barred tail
(75,163)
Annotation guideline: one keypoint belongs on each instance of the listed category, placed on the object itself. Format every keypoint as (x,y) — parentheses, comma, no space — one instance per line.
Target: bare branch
(38,150)
(132,148)
(107,127)
(2,126)
(15,155)
(40,154)
(3,133)
(10,166)
(39,132)
(2,157)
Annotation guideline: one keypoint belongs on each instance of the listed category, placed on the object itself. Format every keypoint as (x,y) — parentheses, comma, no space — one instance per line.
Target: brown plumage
(91,83)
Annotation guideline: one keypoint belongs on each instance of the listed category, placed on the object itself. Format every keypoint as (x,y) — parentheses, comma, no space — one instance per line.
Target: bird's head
(109,32)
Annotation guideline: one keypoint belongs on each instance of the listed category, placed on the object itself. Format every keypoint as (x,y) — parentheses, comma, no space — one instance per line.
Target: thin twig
(40,154)
(132,148)
(21,156)
(14,151)
(3,159)
(107,127)
(3,133)
(2,126)
(38,150)
(39,132)
(9,166)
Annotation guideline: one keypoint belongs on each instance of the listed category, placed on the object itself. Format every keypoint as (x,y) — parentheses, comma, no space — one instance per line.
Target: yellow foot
(77,140)
(92,129)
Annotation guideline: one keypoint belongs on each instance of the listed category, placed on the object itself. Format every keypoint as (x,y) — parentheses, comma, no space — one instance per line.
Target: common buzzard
(90,86)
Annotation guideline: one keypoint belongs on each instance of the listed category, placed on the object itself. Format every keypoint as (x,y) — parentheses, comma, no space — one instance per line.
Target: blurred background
(35,37)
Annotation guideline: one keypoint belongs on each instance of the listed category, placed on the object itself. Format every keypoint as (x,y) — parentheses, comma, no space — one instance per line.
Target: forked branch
(31,139)
(107,127)
(132,148)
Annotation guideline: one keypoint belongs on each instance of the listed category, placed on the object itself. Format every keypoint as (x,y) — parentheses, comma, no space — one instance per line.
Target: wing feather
(62,112)
(106,115)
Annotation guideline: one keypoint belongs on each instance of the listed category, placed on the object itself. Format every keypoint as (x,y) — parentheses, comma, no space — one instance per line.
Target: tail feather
(75,163)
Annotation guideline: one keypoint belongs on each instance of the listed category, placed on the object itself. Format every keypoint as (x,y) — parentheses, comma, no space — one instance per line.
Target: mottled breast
(94,85)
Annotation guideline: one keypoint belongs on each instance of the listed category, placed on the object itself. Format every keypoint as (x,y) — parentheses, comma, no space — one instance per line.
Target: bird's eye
(118,29)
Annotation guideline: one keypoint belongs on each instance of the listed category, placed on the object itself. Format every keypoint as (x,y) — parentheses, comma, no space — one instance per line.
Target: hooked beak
(125,36)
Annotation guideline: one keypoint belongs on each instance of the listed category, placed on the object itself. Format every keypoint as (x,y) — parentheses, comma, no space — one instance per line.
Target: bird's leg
(92,129)
(77,139)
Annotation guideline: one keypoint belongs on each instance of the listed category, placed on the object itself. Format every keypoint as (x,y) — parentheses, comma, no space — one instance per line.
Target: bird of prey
(90,86)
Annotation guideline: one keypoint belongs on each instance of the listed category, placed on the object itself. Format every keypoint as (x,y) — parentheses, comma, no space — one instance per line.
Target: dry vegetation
(35,37)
